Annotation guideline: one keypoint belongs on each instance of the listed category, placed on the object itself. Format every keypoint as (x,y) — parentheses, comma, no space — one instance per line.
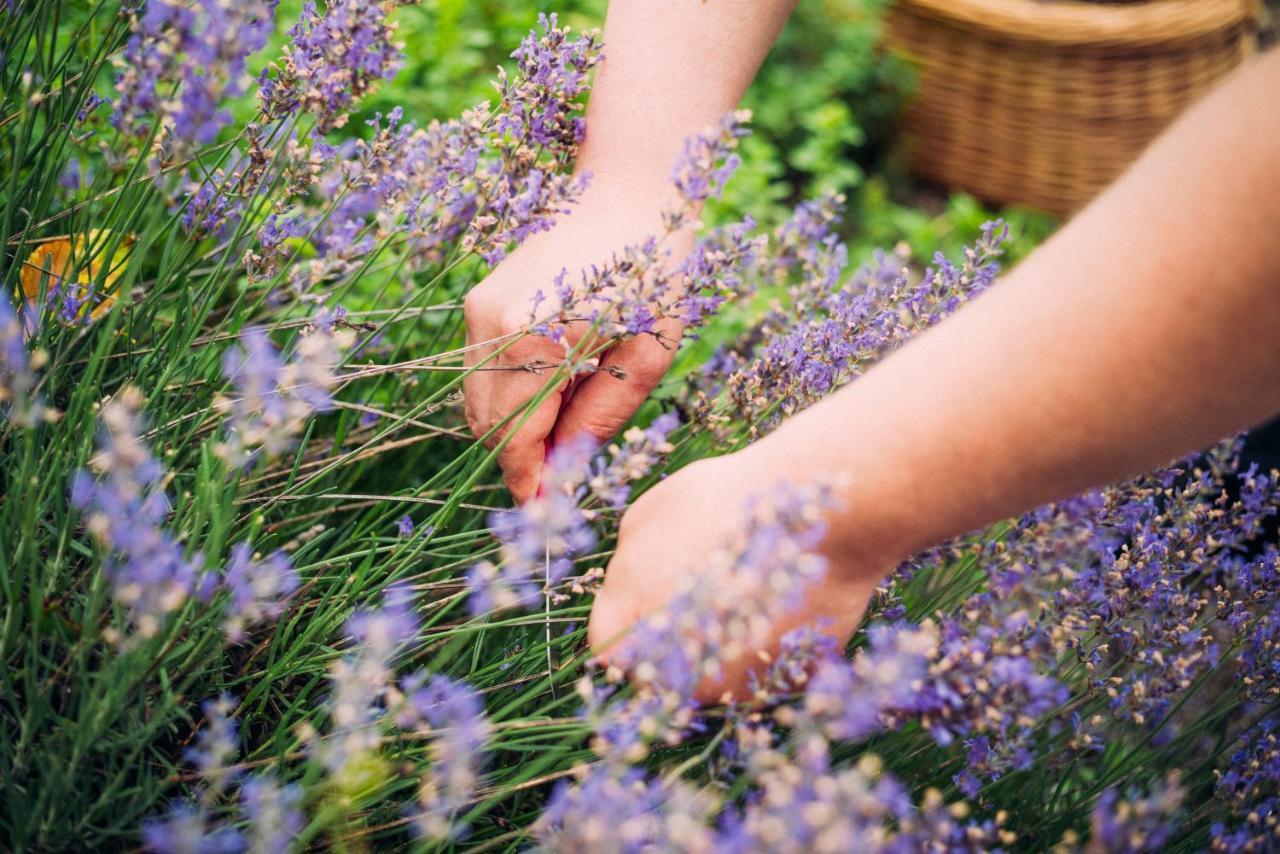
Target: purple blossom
(708,160)
(1136,824)
(628,461)
(806,805)
(830,336)
(217,743)
(540,539)
(552,71)
(639,288)
(186,829)
(17,374)
(124,509)
(619,809)
(456,712)
(333,60)
(1249,786)
(274,814)
(212,208)
(404,526)
(538,118)
(202,47)
(273,244)
(259,588)
(718,616)
(272,399)
(851,700)
(363,679)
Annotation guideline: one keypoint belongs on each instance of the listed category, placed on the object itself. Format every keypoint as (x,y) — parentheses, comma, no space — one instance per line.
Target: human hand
(610,216)
(668,534)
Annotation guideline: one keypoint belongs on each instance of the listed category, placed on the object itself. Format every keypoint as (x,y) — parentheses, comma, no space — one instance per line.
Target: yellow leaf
(56,259)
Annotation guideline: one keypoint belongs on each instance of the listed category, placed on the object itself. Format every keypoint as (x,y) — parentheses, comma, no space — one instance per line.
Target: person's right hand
(609,217)
(666,536)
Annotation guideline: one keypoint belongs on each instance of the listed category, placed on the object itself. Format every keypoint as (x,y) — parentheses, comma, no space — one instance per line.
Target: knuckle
(647,370)
(601,426)
(476,305)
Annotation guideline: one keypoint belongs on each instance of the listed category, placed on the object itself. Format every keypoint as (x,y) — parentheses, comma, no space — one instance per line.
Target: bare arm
(1144,329)
(671,68)
(1148,327)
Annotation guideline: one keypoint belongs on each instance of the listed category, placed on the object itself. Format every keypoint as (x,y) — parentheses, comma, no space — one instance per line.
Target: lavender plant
(261,590)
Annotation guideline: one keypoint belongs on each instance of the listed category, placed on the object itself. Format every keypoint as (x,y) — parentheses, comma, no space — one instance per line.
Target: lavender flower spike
(258,588)
(125,506)
(271,399)
(17,374)
(456,712)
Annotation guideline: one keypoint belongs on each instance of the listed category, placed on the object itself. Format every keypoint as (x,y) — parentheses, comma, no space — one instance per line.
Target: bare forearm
(1145,329)
(671,68)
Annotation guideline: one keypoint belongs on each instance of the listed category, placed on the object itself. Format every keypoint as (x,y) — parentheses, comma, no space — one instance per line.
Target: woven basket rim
(1072,22)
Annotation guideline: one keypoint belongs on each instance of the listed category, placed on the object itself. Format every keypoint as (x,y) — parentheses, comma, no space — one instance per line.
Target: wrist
(613,190)
(869,532)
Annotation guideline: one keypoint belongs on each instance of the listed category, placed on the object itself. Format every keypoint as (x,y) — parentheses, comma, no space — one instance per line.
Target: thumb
(611,617)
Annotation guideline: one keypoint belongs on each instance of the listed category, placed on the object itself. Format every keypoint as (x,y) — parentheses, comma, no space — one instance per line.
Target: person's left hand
(668,534)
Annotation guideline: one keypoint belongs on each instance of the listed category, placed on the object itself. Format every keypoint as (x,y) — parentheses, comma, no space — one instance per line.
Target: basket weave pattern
(1044,103)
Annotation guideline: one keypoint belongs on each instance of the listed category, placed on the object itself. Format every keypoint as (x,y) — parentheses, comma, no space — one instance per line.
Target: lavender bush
(261,591)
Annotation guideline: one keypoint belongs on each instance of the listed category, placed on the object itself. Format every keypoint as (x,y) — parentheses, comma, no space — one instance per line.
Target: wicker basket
(1044,103)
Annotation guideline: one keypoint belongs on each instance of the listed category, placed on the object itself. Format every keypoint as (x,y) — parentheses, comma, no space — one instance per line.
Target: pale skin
(1144,329)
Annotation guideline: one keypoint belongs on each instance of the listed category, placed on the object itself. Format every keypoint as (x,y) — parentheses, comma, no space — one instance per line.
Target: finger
(522,457)
(498,395)
(605,401)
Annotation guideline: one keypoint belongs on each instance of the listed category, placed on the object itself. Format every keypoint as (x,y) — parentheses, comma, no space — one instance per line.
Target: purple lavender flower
(718,618)
(640,287)
(538,117)
(404,526)
(150,573)
(334,59)
(186,830)
(641,449)
(275,819)
(363,679)
(273,244)
(809,806)
(75,176)
(17,374)
(203,48)
(456,711)
(1136,824)
(539,539)
(259,588)
(615,808)
(830,336)
(802,653)
(552,70)
(808,241)
(217,743)
(212,207)
(1250,788)
(91,104)
(271,398)
(849,700)
(708,160)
